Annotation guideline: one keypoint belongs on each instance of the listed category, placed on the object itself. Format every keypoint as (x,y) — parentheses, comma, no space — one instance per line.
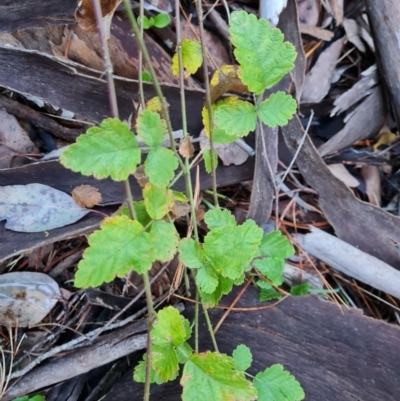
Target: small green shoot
(159,21)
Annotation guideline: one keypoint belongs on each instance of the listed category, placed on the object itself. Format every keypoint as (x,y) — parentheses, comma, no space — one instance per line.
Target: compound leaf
(160,165)
(211,376)
(165,239)
(150,128)
(263,56)
(277,384)
(191,254)
(218,218)
(238,118)
(191,57)
(158,200)
(108,150)
(243,358)
(276,245)
(272,268)
(118,247)
(278,109)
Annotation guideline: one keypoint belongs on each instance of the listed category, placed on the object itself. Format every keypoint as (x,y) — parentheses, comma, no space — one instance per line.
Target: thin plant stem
(156,83)
(141,91)
(208,99)
(196,326)
(210,328)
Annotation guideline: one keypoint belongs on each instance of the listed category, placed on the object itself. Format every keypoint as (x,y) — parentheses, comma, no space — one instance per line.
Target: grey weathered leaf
(37,207)
(26,298)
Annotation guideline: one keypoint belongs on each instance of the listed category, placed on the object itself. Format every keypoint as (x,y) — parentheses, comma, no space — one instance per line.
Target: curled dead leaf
(141,177)
(86,196)
(186,149)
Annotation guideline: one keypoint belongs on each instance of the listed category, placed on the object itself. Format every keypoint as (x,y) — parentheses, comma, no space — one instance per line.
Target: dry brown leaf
(186,149)
(141,177)
(352,31)
(86,196)
(372,179)
(179,209)
(86,17)
(318,79)
(316,32)
(337,9)
(341,172)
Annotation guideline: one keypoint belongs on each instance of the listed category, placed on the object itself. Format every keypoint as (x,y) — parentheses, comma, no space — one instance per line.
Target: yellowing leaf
(191,58)
(263,56)
(108,150)
(118,247)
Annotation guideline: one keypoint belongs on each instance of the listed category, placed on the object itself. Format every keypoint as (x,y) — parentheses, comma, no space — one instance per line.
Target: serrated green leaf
(238,119)
(219,134)
(243,358)
(164,360)
(260,50)
(267,292)
(150,128)
(272,268)
(169,327)
(160,165)
(277,384)
(140,210)
(224,287)
(158,200)
(207,279)
(218,218)
(211,376)
(192,57)
(230,249)
(118,247)
(183,352)
(108,150)
(207,161)
(276,245)
(165,239)
(300,289)
(191,254)
(139,373)
(278,109)
(162,20)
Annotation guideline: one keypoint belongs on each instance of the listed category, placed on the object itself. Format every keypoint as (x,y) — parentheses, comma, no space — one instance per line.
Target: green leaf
(169,328)
(139,373)
(207,279)
(267,292)
(224,287)
(211,376)
(118,247)
(160,165)
(191,254)
(218,218)
(272,268)
(183,352)
(207,161)
(276,245)
(238,119)
(165,239)
(243,358)
(300,289)
(260,50)
(158,200)
(162,20)
(108,150)
(146,77)
(277,384)
(191,57)
(278,109)
(164,360)
(141,213)
(219,134)
(230,249)
(150,128)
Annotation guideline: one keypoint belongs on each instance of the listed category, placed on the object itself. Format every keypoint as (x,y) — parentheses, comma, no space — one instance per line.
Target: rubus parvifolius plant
(144,232)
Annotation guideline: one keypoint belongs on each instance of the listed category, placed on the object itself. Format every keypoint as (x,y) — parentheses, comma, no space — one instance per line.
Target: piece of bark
(361,224)
(109,348)
(364,121)
(351,261)
(53,174)
(384,17)
(73,87)
(329,349)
